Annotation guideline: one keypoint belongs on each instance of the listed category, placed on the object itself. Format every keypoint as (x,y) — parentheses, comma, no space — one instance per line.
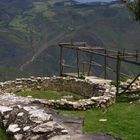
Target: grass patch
(3,135)
(130,98)
(122,120)
(49,94)
(42,7)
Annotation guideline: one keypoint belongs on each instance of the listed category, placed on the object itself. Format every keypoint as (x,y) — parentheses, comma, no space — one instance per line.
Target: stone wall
(133,87)
(99,94)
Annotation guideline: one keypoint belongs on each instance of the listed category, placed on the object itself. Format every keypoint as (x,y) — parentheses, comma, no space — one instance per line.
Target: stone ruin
(26,118)
(134,86)
(97,94)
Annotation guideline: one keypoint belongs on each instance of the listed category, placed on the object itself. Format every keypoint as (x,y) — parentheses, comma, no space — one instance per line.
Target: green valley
(31,29)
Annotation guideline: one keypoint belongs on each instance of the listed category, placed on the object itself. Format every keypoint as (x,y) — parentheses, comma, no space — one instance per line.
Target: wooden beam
(118,66)
(109,68)
(137,52)
(83,68)
(91,48)
(77,55)
(73,44)
(105,63)
(61,61)
(69,66)
(90,64)
(112,57)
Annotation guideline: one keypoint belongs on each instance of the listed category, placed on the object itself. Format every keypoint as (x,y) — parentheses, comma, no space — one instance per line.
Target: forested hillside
(31,29)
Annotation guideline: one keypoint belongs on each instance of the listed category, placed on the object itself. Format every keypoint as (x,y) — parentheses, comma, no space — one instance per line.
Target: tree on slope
(134,6)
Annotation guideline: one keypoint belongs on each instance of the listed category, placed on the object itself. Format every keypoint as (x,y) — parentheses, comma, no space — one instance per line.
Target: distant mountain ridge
(90,1)
(31,29)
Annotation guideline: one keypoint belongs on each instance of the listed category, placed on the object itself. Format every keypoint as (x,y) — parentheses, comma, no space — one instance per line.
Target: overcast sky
(93,0)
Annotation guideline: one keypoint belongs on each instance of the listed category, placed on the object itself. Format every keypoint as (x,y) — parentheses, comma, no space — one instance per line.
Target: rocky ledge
(25,120)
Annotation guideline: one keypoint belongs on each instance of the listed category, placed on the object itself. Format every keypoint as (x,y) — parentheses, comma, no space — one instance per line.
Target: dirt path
(43,47)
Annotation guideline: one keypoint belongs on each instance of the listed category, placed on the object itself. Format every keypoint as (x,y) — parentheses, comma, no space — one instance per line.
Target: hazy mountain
(31,29)
(89,1)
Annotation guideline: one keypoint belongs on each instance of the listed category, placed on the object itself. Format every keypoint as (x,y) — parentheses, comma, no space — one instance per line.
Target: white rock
(47,127)
(97,98)
(4,122)
(76,104)
(6,117)
(29,96)
(20,114)
(13,128)
(38,116)
(4,109)
(27,108)
(61,137)
(19,106)
(64,131)
(102,120)
(107,90)
(18,136)
(36,137)
(26,128)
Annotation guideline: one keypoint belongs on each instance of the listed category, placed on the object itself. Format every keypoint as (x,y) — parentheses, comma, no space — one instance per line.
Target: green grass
(42,7)
(122,120)
(49,94)
(3,135)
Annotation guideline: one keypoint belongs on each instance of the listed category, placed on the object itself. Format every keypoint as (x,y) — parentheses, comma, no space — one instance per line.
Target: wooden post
(77,54)
(90,64)
(83,69)
(118,66)
(137,55)
(123,53)
(61,61)
(105,70)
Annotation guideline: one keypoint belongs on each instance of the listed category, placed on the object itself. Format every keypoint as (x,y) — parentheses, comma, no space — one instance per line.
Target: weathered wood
(61,61)
(95,50)
(121,73)
(105,63)
(122,56)
(83,68)
(89,69)
(73,43)
(118,66)
(69,66)
(91,48)
(137,52)
(77,55)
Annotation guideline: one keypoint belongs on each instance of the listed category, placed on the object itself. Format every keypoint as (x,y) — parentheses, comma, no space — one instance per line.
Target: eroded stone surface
(49,127)
(25,120)
(13,128)
(4,109)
